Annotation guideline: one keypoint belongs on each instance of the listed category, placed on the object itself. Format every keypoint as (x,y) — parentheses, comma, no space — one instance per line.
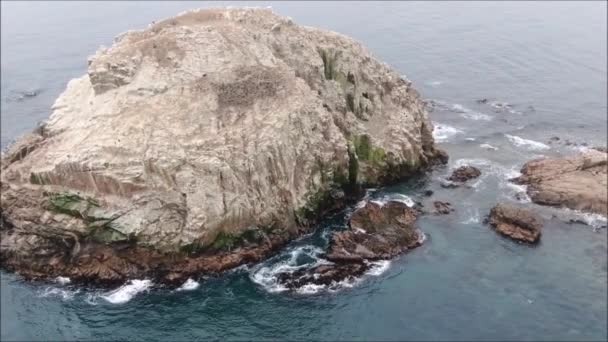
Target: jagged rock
(322,274)
(577,182)
(517,223)
(377,231)
(185,136)
(442,208)
(464,173)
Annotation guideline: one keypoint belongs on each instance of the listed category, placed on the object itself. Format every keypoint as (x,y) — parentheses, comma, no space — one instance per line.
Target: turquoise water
(547,60)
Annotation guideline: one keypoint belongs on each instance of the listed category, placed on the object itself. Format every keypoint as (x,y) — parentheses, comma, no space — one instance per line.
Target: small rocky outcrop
(377,231)
(517,223)
(464,173)
(214,135)
(442,208)
(577,182)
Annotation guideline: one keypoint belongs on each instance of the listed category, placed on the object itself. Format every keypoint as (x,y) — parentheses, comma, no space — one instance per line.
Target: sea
(501,79)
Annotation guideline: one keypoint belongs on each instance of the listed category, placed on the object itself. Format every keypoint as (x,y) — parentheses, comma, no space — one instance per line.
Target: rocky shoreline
(232,153)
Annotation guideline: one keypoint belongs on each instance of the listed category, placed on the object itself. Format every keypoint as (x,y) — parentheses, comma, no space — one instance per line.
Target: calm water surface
(542,67)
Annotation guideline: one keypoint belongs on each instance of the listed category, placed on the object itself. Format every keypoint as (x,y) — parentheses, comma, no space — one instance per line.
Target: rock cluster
(377,231)
(208,133)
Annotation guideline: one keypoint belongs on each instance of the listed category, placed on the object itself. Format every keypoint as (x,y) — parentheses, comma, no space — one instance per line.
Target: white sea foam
(470,114)
(310,289)
(378,267)
(57,292)
(266,275)
(91,298)
(126,292)
(443,133)
(189,285)
(434,83)
(530,144)
(396,198)
(470,139)
(63,280)
(473,218)
(488,147)
(596,221)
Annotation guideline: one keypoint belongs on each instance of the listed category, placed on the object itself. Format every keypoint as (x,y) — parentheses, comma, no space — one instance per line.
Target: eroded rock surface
(517,223)
(577,182)
(214,131)
(378,231)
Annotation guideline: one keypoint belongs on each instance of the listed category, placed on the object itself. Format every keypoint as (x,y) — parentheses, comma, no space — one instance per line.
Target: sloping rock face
(378,231)
(578,182)
(214,131)
(517,223)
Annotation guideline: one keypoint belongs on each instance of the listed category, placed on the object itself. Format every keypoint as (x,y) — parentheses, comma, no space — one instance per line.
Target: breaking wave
(266,273)
(65,294)
(189,285)
(396,198)
(488,147)
(443,133)
(126,292)
(63,280)
(530,144)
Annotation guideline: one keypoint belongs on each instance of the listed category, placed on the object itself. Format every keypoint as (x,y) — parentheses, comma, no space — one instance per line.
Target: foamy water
(189,285)
(126,292)
(63,280)
(488,147)
(527,143)
(443,133)
(65,294)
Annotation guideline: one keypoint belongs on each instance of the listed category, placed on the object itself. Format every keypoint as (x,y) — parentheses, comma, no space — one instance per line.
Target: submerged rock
(464,173)
(517,223)
(204,141)
(377,231)
(577,182)
(442,208)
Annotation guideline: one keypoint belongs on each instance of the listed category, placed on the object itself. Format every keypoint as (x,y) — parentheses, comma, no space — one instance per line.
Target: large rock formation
(203,136)
(517,223)
(578,182)
(378,231)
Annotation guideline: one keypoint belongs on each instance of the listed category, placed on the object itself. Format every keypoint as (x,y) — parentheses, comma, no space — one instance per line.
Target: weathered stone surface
(464,173)
(188,134)
(517,223)
(442,208)
(577,182)
(378,231)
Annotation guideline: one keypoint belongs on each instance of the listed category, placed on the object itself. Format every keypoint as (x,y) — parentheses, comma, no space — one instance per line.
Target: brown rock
(322,275)
(515,222)
(464,173)
(377,231)
(579,182)
(442,208)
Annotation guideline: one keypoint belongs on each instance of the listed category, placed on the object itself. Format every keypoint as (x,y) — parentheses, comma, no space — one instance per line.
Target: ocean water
(542,68)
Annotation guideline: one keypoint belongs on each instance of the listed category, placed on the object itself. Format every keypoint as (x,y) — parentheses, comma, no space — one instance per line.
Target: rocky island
(203,142)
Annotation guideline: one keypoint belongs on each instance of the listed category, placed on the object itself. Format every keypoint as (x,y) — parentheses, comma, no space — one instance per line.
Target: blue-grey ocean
(542,67)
